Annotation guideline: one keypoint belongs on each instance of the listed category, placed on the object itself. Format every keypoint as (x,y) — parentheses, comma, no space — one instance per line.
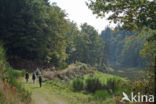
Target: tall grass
(100,89)
(92,84)
(78,84)
(101,94)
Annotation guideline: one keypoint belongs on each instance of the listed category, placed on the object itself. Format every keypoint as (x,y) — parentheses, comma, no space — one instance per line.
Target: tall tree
(134,14)
(124,48)
(33,29)
(88,47)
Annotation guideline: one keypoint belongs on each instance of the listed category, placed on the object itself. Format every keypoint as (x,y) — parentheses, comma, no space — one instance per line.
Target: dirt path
(43,95)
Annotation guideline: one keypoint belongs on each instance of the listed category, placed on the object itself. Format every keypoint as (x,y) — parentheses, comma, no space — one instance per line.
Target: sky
(78,12)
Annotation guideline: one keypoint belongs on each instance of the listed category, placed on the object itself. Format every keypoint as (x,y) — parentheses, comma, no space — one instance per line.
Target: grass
(132,74)
(104,77)
(59,92)
(52,94)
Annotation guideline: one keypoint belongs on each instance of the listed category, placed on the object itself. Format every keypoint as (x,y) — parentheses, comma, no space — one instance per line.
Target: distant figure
(33,77)
(40,81)
(27,76)
(37,71)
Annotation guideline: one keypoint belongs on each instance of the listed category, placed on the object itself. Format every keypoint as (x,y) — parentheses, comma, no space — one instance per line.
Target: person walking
(33,77)
(27,77)
(37,71)
(40,80)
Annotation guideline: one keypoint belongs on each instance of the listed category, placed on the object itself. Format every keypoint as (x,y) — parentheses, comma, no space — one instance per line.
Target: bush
(78,84)
(92,84)
(23,73)
(101,94)
(111,85)
(62,65)
(11,75)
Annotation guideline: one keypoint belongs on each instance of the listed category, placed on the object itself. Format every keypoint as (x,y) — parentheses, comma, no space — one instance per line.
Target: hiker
(40,80)
(37,71)
(33,77)
(27,76)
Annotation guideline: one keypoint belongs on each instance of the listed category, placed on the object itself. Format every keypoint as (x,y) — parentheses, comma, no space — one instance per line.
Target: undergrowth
(11,91)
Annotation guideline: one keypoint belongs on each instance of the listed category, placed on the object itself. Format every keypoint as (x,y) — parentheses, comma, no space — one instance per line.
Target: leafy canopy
(134,14)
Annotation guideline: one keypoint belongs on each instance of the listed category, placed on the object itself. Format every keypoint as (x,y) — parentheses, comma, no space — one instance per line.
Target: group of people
(34,75)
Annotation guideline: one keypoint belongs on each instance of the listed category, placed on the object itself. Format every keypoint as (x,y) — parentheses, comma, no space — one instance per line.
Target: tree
(124,47)
(86,47)
(58,27)
(71,37)
(23,24)
(132,13)
(33,29)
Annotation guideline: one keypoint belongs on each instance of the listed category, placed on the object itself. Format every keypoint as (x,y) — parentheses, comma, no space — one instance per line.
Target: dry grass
(9,94)
(69,73)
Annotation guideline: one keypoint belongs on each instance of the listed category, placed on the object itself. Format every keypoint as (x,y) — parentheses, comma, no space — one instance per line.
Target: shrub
(62,65)
(111,85)
(143,86)
(92,84)
(101,94)
(78,84)
(11,75)
(23,72)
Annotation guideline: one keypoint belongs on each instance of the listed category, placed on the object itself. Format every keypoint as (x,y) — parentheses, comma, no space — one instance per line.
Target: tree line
(124,47)
(38,30)
(134,15)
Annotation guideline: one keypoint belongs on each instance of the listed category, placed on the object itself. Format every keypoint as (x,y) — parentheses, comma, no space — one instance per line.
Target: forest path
(43,95)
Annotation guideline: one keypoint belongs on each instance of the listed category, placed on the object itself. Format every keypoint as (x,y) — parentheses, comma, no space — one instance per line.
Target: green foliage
(62,65)
(92,84)
(37,30)
(101,94)
(144,85)
(55,59)
(9,76)
(33,29)
(25,95)
(23,72)
(87,47)
(111,85)
(78,84)
(149,50)
(123,48)
(134,14)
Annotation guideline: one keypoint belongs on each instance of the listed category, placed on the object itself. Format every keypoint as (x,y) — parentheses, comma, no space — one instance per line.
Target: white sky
(79,13)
